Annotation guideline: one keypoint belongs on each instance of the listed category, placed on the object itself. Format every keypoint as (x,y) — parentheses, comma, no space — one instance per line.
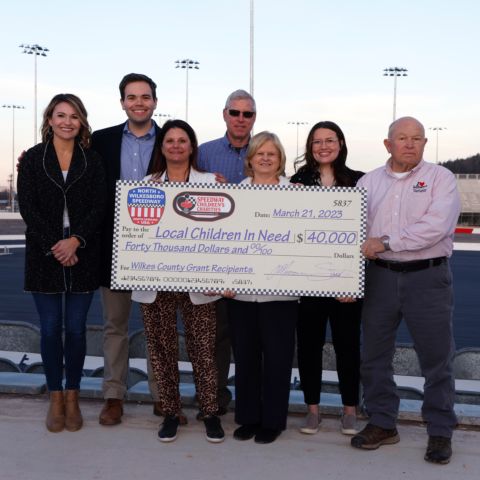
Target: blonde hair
(256,142)
(85,133)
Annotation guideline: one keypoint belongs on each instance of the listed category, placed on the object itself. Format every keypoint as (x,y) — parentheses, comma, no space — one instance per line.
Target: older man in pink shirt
(413,207)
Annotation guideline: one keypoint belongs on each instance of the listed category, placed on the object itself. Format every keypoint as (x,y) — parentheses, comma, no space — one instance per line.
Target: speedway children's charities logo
(146,205)
(420,187)
(205,207)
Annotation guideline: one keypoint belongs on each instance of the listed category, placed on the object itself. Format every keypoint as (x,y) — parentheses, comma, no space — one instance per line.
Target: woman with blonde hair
(262,326)
(61,194)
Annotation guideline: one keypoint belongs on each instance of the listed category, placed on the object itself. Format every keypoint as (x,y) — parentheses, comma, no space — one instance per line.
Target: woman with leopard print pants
(175,161)
(160,322)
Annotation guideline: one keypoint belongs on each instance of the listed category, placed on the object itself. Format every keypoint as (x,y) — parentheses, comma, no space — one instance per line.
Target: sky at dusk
(313,60)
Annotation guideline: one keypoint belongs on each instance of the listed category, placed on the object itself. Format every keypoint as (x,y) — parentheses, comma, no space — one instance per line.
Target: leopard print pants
(160,321)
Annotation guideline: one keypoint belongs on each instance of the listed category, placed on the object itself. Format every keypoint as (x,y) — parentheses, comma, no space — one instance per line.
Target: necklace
(186,179)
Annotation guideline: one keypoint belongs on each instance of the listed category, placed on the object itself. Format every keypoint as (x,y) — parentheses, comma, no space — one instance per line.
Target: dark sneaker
(371,437)
(220,412)
(157,410)
(168,432)
(439,450)
(246,432)
(213,427)
(267,435)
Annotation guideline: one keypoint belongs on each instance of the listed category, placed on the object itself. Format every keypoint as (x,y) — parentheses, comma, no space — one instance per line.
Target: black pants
(222,353)
(263,340)
(344,319)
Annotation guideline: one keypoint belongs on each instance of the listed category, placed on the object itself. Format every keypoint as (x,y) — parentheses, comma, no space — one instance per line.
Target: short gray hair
(240,95)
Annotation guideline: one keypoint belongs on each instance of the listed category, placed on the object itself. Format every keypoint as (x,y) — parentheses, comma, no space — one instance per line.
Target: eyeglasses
(329,142)
(236,113)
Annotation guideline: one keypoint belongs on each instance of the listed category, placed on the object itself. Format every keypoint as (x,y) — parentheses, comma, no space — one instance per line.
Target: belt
(412,266)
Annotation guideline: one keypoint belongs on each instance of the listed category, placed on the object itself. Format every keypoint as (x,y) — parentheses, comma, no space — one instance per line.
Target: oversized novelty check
(277,240)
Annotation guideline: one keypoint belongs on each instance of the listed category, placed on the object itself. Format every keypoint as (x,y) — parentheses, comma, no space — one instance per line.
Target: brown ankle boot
(56,412)
(73,415)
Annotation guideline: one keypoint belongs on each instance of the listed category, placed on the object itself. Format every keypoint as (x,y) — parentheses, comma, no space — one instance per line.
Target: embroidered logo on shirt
(420,187)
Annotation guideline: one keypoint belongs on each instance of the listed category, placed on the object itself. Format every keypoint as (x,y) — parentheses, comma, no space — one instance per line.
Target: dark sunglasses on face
(236,113)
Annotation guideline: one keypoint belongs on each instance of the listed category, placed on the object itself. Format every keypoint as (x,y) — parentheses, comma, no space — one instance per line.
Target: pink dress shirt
(418,212)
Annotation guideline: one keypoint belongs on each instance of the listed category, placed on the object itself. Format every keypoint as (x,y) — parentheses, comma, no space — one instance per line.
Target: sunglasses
(236,113)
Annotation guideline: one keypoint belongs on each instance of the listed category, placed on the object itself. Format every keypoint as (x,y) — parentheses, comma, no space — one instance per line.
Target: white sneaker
(311,424)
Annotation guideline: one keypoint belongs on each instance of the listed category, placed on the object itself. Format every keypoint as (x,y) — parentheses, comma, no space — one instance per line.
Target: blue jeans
(49,307)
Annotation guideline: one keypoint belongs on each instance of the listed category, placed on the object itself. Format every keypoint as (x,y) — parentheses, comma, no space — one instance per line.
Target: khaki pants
(116,312)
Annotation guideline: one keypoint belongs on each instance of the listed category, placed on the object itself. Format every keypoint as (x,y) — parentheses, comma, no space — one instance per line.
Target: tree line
(464,165)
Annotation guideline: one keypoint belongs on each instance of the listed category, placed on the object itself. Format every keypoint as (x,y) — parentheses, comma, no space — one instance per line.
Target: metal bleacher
(469,189)
(22,373)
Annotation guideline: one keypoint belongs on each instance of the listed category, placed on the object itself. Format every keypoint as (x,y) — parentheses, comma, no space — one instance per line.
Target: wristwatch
(385,242)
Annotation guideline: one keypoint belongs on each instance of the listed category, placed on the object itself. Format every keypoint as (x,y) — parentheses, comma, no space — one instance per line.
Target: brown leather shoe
(55,421)
(112,412)
(73,415)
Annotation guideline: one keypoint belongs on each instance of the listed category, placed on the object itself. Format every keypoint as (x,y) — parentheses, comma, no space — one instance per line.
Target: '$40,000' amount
(331,237)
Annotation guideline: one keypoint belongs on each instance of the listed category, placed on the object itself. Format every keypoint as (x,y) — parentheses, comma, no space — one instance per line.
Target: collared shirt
(219,156)
(418,212)
(136,153)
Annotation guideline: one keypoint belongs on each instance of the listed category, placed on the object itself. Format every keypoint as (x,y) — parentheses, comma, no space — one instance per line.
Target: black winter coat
(42,195)
(108,143)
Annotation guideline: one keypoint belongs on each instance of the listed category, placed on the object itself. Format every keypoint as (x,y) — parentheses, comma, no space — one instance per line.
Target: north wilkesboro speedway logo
(420,187)
(204,206)
(146,205)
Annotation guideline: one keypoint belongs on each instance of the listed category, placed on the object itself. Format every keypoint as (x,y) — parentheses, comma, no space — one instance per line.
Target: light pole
(436,130)
(12,182)
(162,115)
(297,124)
(187,64)
(395,72)
(251,46)
(35,50)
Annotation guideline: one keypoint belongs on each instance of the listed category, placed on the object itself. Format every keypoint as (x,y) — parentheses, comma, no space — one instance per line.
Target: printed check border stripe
(117,285)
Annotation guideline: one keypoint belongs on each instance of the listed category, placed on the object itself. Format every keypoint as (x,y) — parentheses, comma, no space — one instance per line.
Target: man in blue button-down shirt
(225,157)
(127,151)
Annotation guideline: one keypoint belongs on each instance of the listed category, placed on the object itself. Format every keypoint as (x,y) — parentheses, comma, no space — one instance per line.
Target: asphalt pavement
(18,306)
(131,450)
